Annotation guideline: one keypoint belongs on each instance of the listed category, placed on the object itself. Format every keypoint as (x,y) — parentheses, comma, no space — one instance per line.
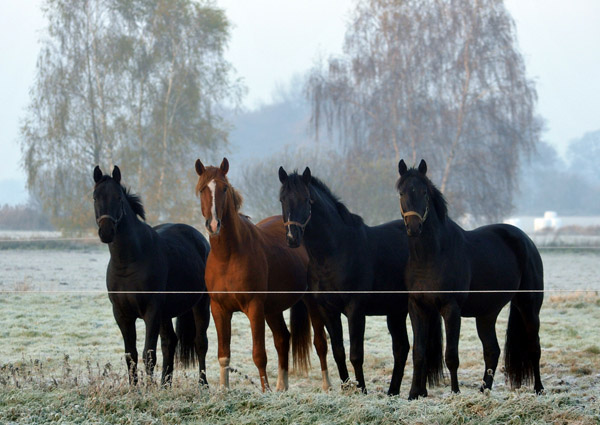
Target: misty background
(268,119)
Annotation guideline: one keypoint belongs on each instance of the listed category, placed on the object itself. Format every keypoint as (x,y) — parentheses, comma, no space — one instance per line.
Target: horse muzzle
(293,235)
(414,226)
(213,226)
(107,230)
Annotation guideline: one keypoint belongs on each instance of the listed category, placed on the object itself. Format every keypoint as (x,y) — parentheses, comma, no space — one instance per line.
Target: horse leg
(356,327)
(397,326)
(281,338)
(319,340)
(333,323)
(451,315)
(202,319)
(486,329)
(222,318)
(152,321)
(168,343)
(127,327)
(256,315)
(419,320)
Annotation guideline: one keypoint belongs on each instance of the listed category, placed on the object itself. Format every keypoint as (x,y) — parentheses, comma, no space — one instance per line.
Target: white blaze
(289,228)
(213,209)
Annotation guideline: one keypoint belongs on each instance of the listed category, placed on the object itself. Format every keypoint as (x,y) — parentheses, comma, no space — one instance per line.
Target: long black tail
(435,359)
(517,359)
(522,347)
(185,328)
(300,333)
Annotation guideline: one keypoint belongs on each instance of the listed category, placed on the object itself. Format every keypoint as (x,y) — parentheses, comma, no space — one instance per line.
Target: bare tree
(138,83)
(438,79)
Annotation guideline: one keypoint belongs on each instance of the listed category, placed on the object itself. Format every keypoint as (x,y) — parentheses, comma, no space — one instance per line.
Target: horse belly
(491,286)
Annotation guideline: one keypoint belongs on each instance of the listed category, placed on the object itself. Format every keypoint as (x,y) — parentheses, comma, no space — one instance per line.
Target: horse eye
(225,189)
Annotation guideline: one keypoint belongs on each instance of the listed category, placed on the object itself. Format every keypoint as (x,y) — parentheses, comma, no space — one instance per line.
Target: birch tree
(436,79)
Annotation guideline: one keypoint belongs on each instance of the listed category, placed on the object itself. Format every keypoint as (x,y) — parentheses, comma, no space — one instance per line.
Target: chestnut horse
(245,264)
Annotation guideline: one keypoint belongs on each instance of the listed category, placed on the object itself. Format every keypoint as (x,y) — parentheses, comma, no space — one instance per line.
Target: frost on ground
(62,359)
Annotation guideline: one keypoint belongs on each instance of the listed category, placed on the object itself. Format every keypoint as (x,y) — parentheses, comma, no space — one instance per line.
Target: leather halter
(297,223)
(406,214)
(115,221)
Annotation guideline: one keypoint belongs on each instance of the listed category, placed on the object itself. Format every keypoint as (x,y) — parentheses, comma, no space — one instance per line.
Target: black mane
(134,201)
(437,198)
(294,182)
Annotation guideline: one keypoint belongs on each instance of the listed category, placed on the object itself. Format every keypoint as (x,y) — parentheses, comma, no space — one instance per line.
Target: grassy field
(61,360)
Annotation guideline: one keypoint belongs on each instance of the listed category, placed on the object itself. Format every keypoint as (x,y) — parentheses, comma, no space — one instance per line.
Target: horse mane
(437,198)
(212,173)
(294,182)
(134,200)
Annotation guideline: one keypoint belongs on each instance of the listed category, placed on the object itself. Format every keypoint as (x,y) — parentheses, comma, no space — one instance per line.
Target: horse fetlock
(224,372)
(326,383)
(282,380)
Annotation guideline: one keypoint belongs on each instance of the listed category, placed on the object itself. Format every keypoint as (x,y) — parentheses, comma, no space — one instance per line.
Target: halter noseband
(406,214)
(297,223)
(115,221)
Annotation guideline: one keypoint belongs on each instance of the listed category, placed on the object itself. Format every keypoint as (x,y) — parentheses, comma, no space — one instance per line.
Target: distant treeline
(23,217)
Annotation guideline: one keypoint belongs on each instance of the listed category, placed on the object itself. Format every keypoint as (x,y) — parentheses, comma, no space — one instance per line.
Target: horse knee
(452,360)
(356,359)
(259,358)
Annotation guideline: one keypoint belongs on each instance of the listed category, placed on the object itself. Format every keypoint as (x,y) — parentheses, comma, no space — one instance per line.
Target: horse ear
(402,168)
(224,166)
(116,174)
(306,176)
(97,174)
(200,167)
(282,175)
(423,167)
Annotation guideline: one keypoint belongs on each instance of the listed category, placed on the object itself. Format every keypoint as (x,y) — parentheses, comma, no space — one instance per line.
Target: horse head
(109,201)
(296,202)
(413,189)
(216,194)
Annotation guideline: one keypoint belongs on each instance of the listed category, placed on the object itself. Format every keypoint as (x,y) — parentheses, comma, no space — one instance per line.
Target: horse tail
(434,356)
(517,362)
(300,333)
(185,328)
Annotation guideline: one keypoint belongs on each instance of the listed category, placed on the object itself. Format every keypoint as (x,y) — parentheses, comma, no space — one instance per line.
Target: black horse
(168,257)
(443,257)
(348,256)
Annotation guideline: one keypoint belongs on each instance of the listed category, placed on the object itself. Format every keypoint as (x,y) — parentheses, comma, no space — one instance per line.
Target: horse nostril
(206,223)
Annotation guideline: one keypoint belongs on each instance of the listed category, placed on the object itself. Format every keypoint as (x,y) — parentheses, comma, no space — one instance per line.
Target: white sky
(272,40)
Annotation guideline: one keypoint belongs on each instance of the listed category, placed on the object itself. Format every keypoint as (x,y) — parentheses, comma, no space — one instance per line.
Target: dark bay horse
(348,256)
(250,269)
(444,257)
(168,257)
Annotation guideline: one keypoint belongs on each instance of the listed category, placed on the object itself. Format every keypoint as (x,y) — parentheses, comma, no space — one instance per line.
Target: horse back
(502,257)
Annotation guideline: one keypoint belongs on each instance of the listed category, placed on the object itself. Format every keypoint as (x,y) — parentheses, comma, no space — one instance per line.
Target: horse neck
(427,246)
(132,238)
(231,236)
(321,236)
